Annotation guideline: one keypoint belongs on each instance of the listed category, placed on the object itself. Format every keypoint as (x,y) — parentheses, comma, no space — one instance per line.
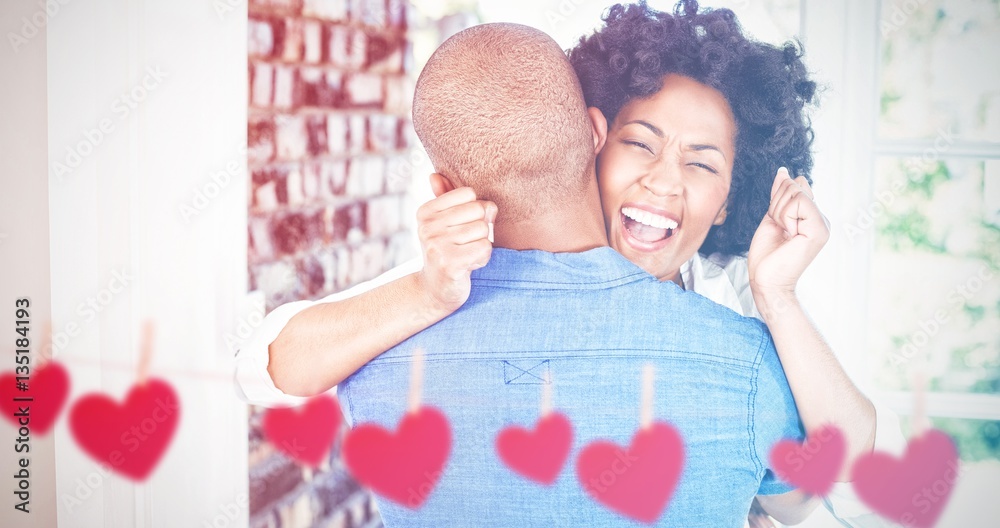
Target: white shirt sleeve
(723,279)
(726,280)
(253,383)
(842,502)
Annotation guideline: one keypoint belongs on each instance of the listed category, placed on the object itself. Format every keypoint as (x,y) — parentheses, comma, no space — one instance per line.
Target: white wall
(167,81)
(840,39)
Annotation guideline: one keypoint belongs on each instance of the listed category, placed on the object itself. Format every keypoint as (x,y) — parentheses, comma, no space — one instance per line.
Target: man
(499,110)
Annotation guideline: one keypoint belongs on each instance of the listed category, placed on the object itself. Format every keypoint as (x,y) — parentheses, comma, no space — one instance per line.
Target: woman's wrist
(428,302)
(773,302)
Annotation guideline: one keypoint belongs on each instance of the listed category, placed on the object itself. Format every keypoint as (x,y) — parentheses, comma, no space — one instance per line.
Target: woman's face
(664,174)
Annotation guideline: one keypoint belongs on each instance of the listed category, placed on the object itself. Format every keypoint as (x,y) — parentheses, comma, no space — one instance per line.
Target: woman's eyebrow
(701,147)
(659,133)
(652,128)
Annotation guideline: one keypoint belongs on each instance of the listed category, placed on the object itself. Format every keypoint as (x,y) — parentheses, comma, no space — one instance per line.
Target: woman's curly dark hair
(766,86)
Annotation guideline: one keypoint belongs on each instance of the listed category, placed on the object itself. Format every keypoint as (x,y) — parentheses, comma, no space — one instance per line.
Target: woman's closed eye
(705,167)
(638,144)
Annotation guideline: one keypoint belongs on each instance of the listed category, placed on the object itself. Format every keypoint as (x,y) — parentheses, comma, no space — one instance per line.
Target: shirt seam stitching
(694,356)
(752,405)
(523,372)
(622,280)
(350,404)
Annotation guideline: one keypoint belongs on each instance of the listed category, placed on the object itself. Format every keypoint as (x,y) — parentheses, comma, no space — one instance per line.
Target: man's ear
(600,125)
(440,184)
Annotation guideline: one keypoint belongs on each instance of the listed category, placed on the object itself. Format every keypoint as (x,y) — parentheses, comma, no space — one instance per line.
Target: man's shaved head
(499,109)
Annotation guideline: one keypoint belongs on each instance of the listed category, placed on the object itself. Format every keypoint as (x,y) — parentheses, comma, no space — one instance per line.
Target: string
(920,423)
(547,395)
(416,379)
(646,410)
(145,351)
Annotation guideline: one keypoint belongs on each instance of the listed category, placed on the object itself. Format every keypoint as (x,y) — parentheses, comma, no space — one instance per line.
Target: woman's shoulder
(724,279)
(734,266)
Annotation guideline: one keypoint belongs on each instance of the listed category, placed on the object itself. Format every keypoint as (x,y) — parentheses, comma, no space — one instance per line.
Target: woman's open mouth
(645,229)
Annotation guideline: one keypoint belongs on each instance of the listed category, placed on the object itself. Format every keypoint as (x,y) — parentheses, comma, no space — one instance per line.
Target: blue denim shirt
(590,321)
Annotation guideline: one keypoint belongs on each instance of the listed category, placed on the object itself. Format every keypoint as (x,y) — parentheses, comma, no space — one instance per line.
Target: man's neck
(571,229)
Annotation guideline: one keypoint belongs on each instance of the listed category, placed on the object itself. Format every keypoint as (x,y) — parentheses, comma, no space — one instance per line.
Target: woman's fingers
(454,230)
(457,261)
(782,182)
(788,211)
(462,225)
(779,179)
(477,254)
(468,232)
(792,203)
(455,208)
(799,215)
(806,188)
(467,212)
(452,198)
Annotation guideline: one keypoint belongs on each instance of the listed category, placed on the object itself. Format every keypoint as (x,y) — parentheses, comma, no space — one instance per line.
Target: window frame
(843,45)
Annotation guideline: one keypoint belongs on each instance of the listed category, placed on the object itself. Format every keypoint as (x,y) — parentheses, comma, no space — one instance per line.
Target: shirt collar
(601,267)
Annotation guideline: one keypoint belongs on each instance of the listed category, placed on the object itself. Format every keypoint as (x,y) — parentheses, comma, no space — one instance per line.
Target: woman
(699,120)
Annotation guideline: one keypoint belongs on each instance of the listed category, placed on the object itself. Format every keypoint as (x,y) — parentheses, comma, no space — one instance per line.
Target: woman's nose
(663,181)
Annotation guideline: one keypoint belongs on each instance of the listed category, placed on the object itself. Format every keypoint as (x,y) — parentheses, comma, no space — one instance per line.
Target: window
(919,215)
(935,265)
(936,75)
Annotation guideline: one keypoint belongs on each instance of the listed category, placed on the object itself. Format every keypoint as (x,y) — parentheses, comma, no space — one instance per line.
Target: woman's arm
(824,394)
(327,342)
(789,237)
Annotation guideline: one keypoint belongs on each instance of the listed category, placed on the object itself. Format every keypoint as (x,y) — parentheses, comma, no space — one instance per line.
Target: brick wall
(328,135)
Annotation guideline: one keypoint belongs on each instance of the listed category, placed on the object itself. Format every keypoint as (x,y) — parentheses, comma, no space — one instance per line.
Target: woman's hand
(325,343)
(787,240)
(455,234)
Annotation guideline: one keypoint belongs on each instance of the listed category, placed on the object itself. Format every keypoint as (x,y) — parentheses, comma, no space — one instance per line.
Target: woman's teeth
(645,226)
(648,218)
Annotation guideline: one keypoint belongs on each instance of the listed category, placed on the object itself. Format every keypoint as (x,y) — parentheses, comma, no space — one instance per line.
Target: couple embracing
(642,200)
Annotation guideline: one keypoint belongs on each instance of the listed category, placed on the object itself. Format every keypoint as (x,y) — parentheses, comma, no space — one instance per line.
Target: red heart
(537,454)
(912,491)
(403,466)
(129,438)
(48,387)
(650,470)
(814,465)
(304,433)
